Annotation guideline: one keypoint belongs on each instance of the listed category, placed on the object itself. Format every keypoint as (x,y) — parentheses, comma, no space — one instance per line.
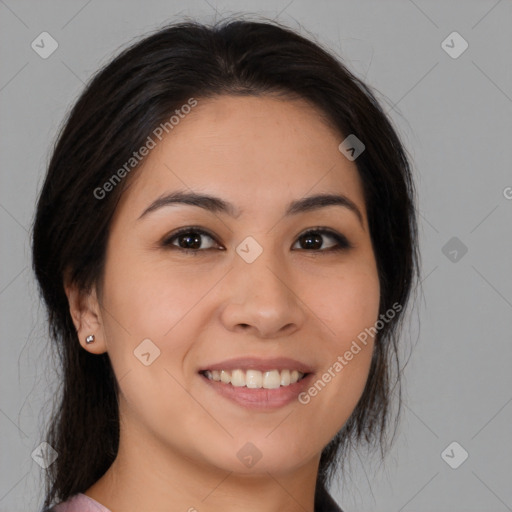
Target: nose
(260,298)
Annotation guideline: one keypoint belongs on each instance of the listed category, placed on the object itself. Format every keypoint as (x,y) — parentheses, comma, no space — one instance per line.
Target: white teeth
(237,378)
(272,379)
(254,378)
(285,377)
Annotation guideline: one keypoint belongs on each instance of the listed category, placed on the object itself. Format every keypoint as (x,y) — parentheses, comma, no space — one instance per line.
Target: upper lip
(259,363)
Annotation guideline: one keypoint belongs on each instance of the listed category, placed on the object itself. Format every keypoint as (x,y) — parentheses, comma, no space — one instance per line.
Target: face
(250,280)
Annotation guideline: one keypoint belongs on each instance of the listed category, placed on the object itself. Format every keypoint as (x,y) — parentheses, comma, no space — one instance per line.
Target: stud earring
(89,338)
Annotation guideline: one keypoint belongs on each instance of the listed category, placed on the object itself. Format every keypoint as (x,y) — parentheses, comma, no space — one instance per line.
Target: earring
(89,338)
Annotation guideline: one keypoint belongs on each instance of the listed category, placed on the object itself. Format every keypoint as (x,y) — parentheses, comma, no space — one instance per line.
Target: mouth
(255,379)
(258,384)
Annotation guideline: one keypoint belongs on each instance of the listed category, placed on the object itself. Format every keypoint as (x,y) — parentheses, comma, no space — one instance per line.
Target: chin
(261,456)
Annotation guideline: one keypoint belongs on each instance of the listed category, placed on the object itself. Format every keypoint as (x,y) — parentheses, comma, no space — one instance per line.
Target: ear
(85,312)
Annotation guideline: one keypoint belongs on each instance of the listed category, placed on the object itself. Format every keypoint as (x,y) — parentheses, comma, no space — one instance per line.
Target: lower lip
(260,398)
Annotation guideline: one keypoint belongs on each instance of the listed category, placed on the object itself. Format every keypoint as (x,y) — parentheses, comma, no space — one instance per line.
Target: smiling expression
(243,235)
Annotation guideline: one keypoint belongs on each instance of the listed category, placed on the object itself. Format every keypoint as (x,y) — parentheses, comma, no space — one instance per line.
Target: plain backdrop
(454,117)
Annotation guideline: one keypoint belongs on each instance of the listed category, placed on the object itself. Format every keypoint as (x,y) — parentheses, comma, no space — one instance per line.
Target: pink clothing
(80,503)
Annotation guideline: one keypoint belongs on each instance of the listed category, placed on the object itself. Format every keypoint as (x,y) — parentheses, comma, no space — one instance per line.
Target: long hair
(122,104)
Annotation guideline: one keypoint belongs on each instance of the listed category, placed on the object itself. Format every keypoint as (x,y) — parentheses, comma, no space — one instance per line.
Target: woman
(225,242)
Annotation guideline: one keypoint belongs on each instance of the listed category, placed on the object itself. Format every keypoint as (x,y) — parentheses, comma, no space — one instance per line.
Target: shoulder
(324,502)
(77,503)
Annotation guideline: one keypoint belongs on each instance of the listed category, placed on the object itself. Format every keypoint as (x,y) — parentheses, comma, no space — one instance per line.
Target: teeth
(254,378)
(237,378)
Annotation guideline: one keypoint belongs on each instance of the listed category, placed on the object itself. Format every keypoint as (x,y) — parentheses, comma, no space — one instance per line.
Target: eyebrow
(217,205)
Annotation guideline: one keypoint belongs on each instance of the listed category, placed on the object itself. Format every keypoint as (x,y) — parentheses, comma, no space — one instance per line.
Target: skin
(178,438)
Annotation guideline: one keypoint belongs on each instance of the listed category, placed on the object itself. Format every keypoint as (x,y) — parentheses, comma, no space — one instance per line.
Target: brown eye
(315,240)
(190,239)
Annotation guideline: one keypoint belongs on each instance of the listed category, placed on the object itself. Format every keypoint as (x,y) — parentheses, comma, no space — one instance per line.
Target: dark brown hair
(123,103)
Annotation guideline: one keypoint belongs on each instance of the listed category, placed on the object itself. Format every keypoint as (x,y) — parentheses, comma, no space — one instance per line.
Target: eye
(190,239)
(313,240)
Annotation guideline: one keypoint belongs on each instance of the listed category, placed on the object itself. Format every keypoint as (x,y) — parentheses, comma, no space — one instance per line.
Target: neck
(147,476)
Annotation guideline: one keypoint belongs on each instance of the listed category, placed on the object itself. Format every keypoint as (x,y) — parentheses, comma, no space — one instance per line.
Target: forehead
(253,151)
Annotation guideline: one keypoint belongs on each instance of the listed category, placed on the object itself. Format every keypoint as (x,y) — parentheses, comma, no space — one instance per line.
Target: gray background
(454,116)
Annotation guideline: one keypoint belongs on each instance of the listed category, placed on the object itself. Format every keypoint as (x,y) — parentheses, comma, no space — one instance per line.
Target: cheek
(147,309)
(150,298)
(348,308)
(152,301)
(346,303)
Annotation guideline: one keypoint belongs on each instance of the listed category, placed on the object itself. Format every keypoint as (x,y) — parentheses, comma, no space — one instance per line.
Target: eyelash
(342,243)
